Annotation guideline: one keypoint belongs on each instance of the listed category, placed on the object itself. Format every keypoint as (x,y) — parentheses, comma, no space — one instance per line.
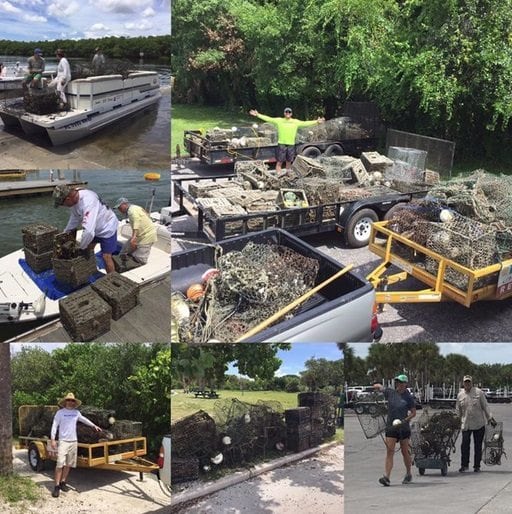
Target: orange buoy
(195,292)
(152,176)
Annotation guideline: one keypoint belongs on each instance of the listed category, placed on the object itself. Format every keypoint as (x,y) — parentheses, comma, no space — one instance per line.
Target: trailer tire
(421,471)
(359,409)
(334,149)
(372,409)
(358,228)
(34,458)
(398,206)
(311,151)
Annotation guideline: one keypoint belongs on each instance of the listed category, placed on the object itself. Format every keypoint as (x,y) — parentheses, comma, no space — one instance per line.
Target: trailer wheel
(34,458)
(372,409)
(398,206)
(312,152)
(358,228)
(421,471)
(359,409)
(334,149)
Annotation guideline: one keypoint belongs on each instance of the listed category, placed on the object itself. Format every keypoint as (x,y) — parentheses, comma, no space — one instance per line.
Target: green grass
(15,488)
(185,404)
(195,117)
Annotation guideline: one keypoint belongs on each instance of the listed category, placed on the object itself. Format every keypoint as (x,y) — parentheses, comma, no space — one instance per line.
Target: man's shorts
(399,433)
(285,153)
(140,254)
(66,453)
(107,244)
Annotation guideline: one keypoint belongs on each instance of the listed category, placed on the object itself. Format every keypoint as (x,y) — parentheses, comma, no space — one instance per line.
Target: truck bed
(340,312)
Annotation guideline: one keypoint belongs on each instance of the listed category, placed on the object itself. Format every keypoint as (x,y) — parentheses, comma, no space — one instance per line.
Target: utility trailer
(353,219)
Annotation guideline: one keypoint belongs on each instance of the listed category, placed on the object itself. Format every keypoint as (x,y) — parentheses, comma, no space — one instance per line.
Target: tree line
(424,364)
(154,48)
(441,68)
(131,379)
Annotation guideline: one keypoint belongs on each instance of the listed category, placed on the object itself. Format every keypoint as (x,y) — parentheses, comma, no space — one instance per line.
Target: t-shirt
(399,405)
(35,64)
(141,222)
(473,409)
(65,420)
(64,70)
(286,128)
(96,218)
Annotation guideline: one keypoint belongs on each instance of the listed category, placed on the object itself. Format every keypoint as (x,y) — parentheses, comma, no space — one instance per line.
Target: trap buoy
(152,176)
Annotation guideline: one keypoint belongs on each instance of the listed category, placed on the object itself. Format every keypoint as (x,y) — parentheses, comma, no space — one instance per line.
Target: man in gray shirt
(474,413)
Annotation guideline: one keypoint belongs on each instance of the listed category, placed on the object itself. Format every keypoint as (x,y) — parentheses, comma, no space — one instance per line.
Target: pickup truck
(353,219)
(343,310)
(164,461)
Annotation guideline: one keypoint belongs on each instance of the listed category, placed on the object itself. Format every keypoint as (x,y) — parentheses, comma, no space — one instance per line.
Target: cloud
(97,27)
(147,13)
(142,25)
(59,8)
(34,18)
(123,6)
(8,7)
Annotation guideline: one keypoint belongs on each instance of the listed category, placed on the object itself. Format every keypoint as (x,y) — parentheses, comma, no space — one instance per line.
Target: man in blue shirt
(401,409)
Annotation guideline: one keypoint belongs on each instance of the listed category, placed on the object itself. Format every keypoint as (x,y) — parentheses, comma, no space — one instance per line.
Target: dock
(17,189)
(149,321)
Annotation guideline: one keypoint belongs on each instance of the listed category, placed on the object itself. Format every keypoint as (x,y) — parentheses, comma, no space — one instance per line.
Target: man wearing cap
(143,231)
(98,62)
(64,422)
(474,412)
(286,132)
(401,409)
(36,66)
(63,77)
(99,222)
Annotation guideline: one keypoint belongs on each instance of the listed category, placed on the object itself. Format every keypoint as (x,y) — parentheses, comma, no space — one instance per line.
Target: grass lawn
(184,404)
(15,488)
(195,117)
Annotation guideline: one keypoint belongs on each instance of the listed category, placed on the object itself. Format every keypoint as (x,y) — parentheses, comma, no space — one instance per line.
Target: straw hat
(69,396)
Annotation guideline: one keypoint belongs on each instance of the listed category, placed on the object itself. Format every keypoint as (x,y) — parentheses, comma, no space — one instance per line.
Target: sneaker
(64,487)
(56,491)
(476,470)
(384,481)
(463,468)
(407,479)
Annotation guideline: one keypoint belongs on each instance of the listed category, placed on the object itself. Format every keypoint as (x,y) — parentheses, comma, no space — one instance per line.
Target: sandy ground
(93,491)
(313,485)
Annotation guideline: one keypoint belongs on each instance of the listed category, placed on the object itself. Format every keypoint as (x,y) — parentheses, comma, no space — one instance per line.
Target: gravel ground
(92,491)
(312,485)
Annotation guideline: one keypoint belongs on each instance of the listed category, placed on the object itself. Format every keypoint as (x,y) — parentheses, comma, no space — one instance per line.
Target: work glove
(493,422)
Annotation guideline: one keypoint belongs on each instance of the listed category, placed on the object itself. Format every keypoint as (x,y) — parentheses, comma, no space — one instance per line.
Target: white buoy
(446,215)
(397,422)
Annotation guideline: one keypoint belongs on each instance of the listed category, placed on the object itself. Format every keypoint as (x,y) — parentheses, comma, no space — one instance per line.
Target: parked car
(164,460)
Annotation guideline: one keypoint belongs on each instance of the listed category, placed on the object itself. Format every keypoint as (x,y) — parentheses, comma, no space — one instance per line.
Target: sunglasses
(287,112)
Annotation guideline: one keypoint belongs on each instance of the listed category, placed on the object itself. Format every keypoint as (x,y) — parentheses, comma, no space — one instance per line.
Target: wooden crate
(85,315)
(121,293)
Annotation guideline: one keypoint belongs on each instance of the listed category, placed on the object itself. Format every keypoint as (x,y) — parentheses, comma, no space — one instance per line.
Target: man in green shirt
(143,231)
(286,131)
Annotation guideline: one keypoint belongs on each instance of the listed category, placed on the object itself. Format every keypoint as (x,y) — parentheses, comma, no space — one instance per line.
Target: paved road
(489,492)
(312,485)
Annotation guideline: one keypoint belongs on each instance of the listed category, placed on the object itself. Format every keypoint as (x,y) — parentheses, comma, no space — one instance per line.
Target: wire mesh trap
(371,413)
(493,444)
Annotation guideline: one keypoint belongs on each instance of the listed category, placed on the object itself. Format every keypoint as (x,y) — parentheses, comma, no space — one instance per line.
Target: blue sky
(39,20)
(479,353)
(294,359)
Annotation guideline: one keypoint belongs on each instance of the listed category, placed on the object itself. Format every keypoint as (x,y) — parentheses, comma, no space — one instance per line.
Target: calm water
(139,141)
(110,185)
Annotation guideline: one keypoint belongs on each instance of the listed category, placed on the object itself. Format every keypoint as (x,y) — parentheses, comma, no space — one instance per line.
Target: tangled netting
(334,129)
(252,285)
(434,434)
(111,67)
(323,414)
(194,436)
(493,444)
(371,413)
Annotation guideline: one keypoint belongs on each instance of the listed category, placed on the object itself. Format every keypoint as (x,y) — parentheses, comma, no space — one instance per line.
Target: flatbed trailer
(489,283)
(353,218)
(222,152)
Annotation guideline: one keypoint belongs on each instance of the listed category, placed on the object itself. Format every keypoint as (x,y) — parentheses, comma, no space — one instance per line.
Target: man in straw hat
(401,409)
(65,421)
(474,413)
(98,221)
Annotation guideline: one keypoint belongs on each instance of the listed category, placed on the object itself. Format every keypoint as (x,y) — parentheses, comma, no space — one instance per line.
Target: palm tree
(5,410)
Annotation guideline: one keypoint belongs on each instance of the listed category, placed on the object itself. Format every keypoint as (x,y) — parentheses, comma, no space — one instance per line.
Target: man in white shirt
(62,78)
(64,422)
(99,222)
(474,413)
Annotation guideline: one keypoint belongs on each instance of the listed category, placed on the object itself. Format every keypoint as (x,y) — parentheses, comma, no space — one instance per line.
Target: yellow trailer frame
(382,241)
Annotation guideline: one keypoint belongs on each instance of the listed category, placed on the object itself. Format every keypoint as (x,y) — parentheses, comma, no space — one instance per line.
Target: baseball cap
(60,193)
(120,201)
(38,51)
(468,377)
(402,378)
(288,109)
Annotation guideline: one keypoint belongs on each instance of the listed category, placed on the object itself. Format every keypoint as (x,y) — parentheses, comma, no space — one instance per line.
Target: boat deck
(147,322)
(16,189)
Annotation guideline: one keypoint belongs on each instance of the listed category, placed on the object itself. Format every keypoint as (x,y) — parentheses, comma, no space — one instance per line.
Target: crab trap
(433,439)
(493,444)
(371,413)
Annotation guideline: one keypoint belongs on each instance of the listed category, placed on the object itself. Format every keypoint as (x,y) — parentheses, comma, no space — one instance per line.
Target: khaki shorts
(140,254)
(66,453)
